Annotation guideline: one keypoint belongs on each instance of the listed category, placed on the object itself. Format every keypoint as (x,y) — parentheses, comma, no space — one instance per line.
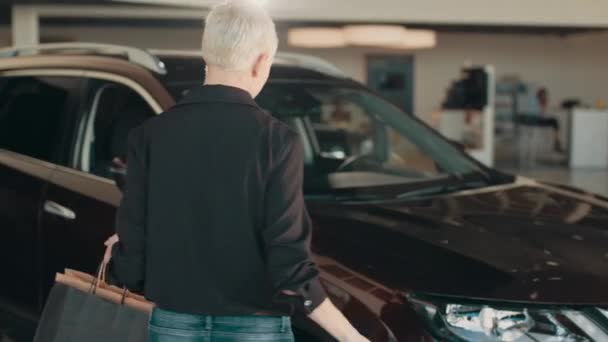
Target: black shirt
(213,219)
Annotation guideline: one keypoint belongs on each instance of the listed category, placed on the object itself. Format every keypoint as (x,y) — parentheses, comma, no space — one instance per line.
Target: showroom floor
(591,180)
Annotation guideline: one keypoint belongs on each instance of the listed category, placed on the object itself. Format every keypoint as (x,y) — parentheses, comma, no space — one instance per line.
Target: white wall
(569,67)
(166,38)
(590,69)
(5,36)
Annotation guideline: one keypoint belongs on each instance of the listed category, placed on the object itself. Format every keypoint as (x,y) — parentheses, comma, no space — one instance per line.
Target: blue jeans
(166,326)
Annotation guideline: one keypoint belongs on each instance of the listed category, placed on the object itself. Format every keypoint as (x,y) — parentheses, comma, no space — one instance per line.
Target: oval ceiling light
(316,37)
(417,39)
(374,35)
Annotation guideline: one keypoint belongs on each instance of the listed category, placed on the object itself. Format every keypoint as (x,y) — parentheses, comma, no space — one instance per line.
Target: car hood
(526,241)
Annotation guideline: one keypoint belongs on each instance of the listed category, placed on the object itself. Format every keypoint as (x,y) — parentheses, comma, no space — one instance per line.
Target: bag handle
(101,279)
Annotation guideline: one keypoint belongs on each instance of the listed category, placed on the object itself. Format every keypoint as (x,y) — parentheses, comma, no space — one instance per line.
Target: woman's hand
(333,321)
(109,244)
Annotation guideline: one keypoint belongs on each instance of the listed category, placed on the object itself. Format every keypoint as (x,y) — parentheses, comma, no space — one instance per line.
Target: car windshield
(354,139)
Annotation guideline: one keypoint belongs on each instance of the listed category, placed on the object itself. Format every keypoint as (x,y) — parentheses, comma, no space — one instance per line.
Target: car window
(113,111)
(31,112)
(356,131)
(345,129)
(183,73)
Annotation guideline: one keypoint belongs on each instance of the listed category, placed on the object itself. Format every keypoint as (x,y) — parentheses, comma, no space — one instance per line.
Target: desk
(473,129)
(588,138)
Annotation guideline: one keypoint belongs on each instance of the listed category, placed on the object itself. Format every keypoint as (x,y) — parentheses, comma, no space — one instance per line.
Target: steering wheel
(354,160)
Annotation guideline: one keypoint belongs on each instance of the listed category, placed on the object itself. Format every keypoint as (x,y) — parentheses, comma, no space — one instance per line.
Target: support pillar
(25,26)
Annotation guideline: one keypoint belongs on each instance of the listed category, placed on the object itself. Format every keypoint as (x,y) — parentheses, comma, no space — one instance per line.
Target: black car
(415,240)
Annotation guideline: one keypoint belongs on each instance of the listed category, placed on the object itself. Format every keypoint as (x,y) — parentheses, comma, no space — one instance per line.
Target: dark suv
(415,240)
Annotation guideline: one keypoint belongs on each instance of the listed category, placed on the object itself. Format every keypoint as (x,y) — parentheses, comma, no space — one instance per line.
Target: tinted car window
(113,111)
(31,111)
(183,73)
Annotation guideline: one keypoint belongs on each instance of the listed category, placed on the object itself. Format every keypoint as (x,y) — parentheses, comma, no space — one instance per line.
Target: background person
(213,226)
(547,120)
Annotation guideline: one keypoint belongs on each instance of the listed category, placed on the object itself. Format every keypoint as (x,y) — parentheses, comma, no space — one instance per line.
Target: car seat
(119,110)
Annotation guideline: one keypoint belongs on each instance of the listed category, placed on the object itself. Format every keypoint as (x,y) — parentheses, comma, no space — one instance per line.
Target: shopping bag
(82,308)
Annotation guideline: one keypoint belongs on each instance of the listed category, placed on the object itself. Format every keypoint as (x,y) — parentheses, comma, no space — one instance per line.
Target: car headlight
(450,319)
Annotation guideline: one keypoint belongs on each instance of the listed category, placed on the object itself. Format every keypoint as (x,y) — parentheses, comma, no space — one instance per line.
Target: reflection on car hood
(529,242)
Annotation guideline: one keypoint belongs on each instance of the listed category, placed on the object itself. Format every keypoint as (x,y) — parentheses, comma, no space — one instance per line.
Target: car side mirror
(120,177)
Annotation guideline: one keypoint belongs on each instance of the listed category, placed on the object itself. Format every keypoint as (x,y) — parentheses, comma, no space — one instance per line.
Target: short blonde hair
(236,33)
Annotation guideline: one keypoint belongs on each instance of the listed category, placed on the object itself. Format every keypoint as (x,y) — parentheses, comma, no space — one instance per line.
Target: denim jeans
(166,326)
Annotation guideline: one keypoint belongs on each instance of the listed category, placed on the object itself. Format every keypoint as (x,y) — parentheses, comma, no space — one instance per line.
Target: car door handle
(59,210)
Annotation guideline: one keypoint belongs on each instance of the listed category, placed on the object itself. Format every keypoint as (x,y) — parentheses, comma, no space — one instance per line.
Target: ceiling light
(417,39)
(383,36)
(374,35)
(316,37)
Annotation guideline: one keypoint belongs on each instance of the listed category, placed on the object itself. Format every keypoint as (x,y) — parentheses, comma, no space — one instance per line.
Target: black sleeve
(127,266)
(287,232)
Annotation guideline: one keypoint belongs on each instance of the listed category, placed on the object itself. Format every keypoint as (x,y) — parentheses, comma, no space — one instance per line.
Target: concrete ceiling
(569,13)
(497,16)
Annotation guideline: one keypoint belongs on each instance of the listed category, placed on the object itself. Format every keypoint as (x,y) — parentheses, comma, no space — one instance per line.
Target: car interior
(115,111)
(348,136)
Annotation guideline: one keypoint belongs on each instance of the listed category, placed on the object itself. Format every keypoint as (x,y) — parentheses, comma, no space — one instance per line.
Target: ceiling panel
(471,15)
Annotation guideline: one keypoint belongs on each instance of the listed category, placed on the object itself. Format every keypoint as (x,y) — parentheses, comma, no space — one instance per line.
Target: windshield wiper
(455,182)
(414,189)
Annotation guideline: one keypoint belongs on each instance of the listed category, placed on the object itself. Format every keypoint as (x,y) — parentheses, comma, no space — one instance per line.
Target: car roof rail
(134,55)
(314,63)
(285,58)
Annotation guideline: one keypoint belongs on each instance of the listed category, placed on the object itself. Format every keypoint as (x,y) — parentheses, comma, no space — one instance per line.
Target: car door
(83,187)
(32,109)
